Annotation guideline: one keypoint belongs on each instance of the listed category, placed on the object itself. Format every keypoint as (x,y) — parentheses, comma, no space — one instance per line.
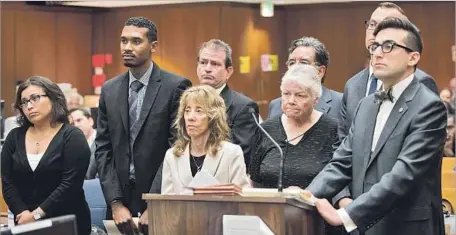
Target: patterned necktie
(133,101)
(384,95)
(373,85)
(135,87)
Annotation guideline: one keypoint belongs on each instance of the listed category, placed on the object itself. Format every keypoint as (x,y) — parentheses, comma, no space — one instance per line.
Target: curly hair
(143,22)
(214,107)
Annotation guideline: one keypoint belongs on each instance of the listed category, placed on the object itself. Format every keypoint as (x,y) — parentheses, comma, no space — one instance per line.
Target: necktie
(133,102)
(384,95)
(373,85)
(135,87)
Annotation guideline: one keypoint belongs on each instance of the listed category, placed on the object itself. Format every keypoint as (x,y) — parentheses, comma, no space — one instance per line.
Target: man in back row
(308,50)
(215,67)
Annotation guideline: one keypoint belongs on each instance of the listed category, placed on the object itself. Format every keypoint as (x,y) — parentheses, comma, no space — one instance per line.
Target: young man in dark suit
(365,83)
(308,50)
(134,130)
(214,68)
(392,154)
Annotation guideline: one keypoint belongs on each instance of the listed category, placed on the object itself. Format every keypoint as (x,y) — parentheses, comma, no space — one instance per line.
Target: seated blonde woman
(202,143)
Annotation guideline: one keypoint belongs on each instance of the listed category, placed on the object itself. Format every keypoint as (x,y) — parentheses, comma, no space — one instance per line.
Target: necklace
(198,167)
(37,147)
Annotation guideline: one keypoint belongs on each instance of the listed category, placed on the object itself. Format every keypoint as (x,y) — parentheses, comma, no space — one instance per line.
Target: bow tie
(384,95)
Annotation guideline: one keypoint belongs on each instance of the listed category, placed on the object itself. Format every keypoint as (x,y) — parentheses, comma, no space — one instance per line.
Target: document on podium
(244,225)
(202,179)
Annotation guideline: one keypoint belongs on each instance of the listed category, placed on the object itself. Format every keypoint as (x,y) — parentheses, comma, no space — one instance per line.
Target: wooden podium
(202,214)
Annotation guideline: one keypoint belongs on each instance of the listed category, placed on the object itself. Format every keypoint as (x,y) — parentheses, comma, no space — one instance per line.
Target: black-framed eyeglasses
(35,98)
(370,24)
(387,47)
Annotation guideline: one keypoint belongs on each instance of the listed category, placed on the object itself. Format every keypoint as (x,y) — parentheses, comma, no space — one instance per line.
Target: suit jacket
(56,183)
(156,134)
(243,128)
(329,103)
(227,167)
(92,170)
(355,90)
(397,188)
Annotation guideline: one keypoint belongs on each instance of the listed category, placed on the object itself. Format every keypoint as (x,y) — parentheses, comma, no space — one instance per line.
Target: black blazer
(56,183)
(240,120)
(156,134)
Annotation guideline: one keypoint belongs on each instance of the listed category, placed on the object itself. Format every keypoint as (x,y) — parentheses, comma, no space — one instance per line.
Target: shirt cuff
(346,220)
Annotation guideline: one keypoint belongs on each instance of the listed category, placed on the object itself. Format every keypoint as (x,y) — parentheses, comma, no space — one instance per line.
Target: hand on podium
(143,223)
(326,209)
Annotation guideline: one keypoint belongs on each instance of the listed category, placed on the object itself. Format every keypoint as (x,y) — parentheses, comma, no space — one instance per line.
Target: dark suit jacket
(243,128)
(329,103)
(156,134)
(397,188)
(92,170)
(355,90)
(56,183)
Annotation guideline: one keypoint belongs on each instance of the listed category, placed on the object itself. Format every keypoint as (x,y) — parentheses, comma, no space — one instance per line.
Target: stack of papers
(221,189)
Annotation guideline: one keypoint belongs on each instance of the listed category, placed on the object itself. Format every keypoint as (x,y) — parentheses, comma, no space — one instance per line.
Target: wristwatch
(36,215)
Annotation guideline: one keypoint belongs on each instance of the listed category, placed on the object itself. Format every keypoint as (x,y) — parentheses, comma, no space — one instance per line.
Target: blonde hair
(306,76)
(214,107)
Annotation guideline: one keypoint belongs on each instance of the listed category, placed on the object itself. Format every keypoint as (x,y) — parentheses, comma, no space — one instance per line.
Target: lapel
(369,124)
(122,101)
(149,98)
(184,171)
(323,103)
(211,164)
(361,86)
(399,109)
(226,95)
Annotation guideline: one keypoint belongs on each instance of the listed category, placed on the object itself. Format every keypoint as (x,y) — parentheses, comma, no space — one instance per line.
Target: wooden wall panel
(53,42)
(181,34)
(73,50)
(8,60)
(35,44)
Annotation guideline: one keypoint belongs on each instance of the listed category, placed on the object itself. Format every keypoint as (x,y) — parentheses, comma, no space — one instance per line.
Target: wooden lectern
(202,214)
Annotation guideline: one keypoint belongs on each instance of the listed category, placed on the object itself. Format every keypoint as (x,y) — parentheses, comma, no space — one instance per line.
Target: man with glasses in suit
(365,83)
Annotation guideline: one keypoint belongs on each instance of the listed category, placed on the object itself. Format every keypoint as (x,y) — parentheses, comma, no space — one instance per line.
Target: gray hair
(219,45)
(306,76)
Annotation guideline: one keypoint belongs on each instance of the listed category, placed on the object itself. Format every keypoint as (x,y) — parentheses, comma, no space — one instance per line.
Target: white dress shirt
(220,89)
(383,113)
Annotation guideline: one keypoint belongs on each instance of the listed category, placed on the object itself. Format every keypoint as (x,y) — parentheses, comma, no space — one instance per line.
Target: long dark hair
(59,111)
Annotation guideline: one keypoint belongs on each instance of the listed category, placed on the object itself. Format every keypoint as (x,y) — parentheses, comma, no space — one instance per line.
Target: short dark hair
(219,45)
(390,5)
(321,53)
(84,112)
(59,110)
(413,40)
(143,22)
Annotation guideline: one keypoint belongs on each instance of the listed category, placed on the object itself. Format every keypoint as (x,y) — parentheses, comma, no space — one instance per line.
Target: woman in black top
(44,161)
(305,135)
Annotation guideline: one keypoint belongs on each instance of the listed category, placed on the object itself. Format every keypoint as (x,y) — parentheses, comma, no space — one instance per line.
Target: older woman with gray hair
(305,135)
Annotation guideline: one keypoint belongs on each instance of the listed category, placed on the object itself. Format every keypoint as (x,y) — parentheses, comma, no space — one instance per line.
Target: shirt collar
(400,87)
(220,89)
(145,77)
